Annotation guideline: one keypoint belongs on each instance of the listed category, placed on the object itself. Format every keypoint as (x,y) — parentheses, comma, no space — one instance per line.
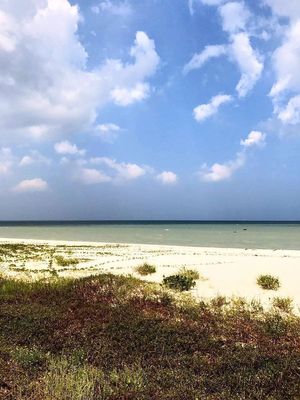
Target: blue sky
(150,109)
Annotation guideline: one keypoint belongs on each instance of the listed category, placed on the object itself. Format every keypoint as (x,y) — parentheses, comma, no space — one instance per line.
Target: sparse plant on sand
(268,282)
(145,269)
(284,304)
(179,282)
(190,273)
(65,262)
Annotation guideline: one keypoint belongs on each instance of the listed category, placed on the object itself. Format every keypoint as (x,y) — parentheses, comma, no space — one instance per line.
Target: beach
(223,271)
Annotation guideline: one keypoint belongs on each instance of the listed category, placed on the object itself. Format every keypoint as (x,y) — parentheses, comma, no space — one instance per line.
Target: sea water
(259,235)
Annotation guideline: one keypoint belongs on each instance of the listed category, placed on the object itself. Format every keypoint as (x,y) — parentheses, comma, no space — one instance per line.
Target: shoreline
(229,272)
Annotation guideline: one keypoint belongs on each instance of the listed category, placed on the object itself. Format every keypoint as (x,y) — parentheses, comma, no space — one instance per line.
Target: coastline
(230,272)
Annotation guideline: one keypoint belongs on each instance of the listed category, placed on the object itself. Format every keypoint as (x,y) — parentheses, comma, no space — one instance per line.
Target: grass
(268,282)
(284,304)
(112,337)
(145,269)
(65,262)
(179,282)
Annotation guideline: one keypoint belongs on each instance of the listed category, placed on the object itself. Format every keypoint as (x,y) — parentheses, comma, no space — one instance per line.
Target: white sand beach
(225,272)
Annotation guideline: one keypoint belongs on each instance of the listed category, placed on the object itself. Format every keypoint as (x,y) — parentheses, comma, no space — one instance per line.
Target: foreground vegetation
(112,338)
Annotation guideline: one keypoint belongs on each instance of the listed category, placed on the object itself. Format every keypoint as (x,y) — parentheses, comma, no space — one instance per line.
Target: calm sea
(210,234)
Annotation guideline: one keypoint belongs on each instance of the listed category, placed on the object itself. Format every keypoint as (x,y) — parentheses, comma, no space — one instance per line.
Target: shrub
(145,269)
(189,273)
(65,262)
(179,282)
(284,304)
(268,282)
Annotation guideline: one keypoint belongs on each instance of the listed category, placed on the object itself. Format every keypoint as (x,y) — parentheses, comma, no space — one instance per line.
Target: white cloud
(205,111)
(248,62)
(34,158)
(220,172)
(6,160)
(65,147)
(63,95)
(124,171)
(167,178)
(290,8)
(107,132)
(198,60)
(291,113)
(121,8)
(255,138)
(127,96)
(31,185)
(90,176)
(191,3)
(234,17)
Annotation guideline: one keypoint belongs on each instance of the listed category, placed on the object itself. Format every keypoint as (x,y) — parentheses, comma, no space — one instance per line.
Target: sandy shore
(226,272)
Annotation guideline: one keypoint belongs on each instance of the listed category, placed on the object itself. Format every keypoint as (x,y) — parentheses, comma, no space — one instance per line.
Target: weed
(145,269)
(268,282)
(179,282)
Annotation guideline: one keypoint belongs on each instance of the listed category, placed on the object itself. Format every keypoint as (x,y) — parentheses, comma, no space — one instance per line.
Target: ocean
(254,235)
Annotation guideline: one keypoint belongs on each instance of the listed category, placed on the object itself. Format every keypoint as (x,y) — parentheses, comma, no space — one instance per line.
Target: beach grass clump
(190,273)
(66,262)
(179,282)
(268,282)
(284,304)
(145,269)
(114,337)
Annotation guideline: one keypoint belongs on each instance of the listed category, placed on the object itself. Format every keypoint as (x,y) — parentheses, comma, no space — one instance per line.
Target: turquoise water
(238,235)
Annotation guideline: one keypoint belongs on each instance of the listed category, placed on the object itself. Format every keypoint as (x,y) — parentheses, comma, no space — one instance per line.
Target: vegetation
(190,273)
(145,269)
(268,282)
(65,262)
(179,282)
(284,304)
(119,338)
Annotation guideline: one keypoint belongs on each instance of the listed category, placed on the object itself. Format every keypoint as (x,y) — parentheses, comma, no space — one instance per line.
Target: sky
(149,109)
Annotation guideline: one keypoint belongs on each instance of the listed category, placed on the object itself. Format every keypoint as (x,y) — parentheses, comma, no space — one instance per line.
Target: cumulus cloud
(205,111)
(220,172)
(255,138)
(62,95)
(120,9)
(167,178)
(286,89)
(31,185)
(6,160)
(248,62)
(107,132)
(123,171)
(34,158)
(65,147)
(126,96)
(289,8)
(91,176)
(198,60)
(235,17)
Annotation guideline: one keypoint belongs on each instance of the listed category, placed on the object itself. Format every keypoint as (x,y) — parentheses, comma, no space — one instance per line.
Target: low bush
(284,304)
(145,269)
(190,273)
(268,282)
(179,282)
(65,262)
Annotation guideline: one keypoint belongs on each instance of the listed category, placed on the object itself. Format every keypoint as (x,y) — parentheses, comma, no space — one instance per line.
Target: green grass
(268,282)
(119,338)
(145,269)
(65,262)
(179,282)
